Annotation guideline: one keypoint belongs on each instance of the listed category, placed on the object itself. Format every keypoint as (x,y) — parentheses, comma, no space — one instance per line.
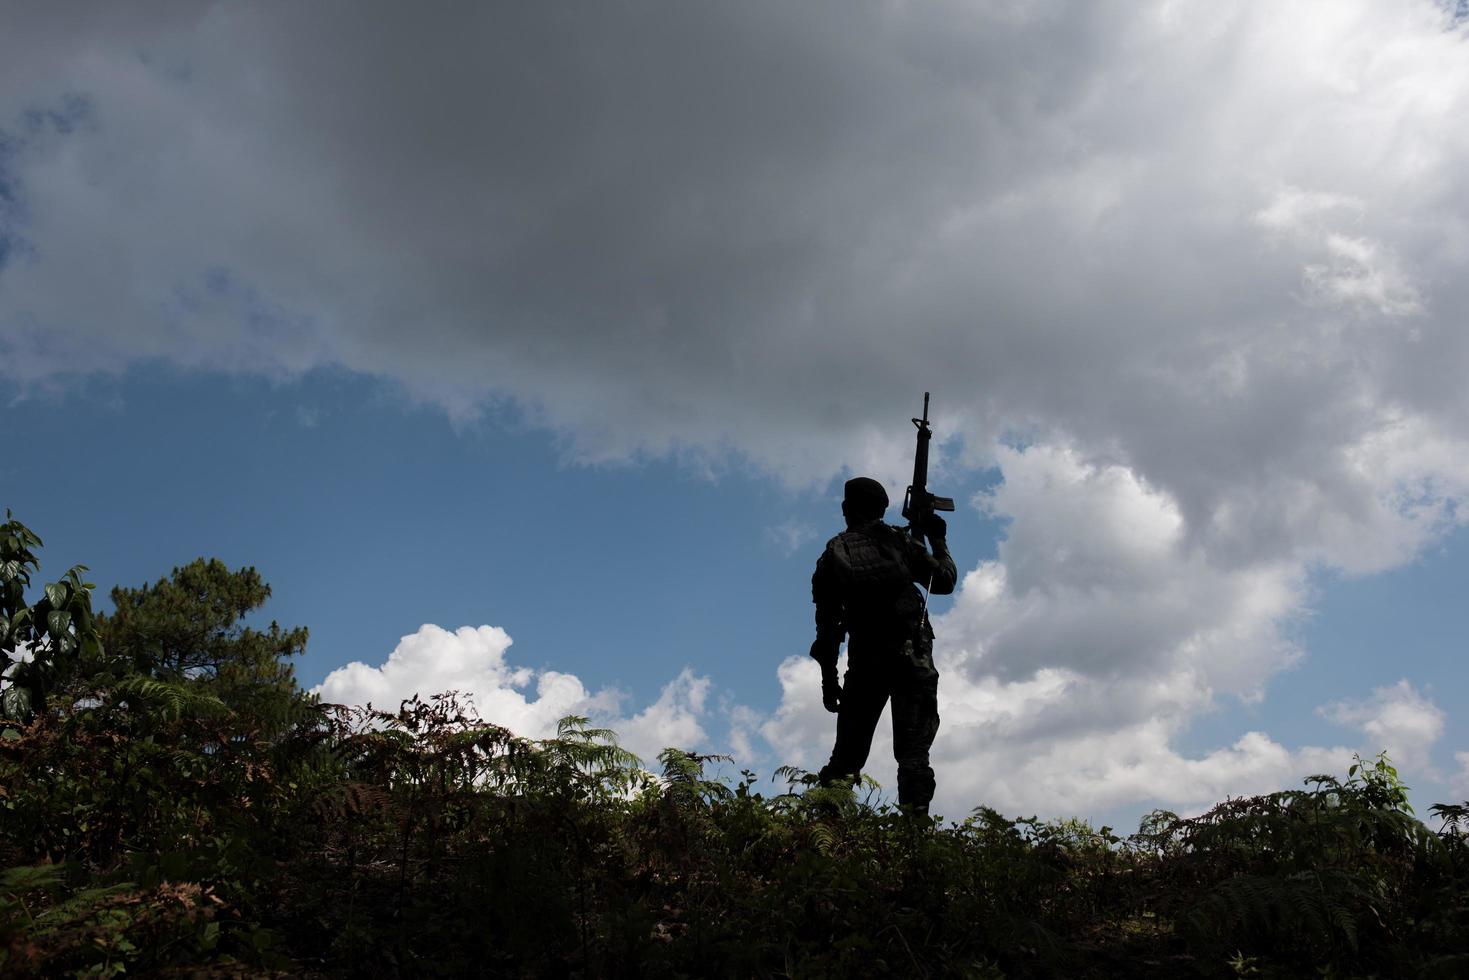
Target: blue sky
(510,325)
(371,516)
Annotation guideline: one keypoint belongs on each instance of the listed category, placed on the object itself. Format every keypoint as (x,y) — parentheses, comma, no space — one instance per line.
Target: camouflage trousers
(903,673)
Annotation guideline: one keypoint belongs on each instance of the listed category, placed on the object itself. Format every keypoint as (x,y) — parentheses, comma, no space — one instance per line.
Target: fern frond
(351,799)
(173,699)
(795,776)
(29,877)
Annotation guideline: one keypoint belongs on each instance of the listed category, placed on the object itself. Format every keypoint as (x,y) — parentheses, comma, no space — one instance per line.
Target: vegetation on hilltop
(171,802)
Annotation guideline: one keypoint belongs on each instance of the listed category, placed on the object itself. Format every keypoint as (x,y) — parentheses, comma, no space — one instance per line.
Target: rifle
(918,503)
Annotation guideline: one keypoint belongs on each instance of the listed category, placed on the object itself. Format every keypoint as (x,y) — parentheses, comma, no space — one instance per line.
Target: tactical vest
(877,584)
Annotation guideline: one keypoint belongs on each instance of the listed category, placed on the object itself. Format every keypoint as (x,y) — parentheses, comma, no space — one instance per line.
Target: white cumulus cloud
(472,661)
(1398,720)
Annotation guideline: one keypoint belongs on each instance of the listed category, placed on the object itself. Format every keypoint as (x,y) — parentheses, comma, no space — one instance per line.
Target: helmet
(864,497)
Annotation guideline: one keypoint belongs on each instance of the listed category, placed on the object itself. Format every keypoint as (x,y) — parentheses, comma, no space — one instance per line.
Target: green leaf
(15,702)
(57,622)
(56,592)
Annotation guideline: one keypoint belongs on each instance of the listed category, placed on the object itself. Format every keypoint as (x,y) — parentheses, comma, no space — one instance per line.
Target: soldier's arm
(945,574)
(936,571)
(830,627)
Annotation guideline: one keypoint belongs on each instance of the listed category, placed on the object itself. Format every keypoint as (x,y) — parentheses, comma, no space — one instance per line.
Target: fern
(796,776)
(172,700)
(825,838)
(30,877)
(347,800)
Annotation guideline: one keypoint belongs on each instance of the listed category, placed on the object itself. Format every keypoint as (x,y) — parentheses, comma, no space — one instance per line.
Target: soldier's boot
(830,776)
(915,784)
(834,779)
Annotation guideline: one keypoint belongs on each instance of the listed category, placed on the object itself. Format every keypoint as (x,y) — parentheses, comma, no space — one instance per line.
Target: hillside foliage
(172,803)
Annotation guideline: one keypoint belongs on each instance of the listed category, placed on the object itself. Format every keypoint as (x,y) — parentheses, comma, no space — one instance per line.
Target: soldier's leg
(915,724)
(863,697)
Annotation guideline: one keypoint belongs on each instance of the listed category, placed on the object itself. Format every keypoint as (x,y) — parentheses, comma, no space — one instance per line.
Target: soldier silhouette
(864,592)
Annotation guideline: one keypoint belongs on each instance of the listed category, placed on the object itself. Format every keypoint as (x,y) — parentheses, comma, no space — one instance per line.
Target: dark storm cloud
(712,224)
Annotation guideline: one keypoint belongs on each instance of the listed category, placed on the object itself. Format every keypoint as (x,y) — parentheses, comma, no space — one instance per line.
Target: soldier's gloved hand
(935,528)
(831,690)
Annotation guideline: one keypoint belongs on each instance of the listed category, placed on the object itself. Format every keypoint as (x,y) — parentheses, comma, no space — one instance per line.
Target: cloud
(1014,746)
(1100,576)
(800,730)
(672,720)
(789,536)
(472,661)
(746,248)
(1353,272)
(1459,784)
(745,255)
(1062,744)
(1397,720)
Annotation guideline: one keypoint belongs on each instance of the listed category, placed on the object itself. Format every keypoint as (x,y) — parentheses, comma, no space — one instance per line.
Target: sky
(523,348)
